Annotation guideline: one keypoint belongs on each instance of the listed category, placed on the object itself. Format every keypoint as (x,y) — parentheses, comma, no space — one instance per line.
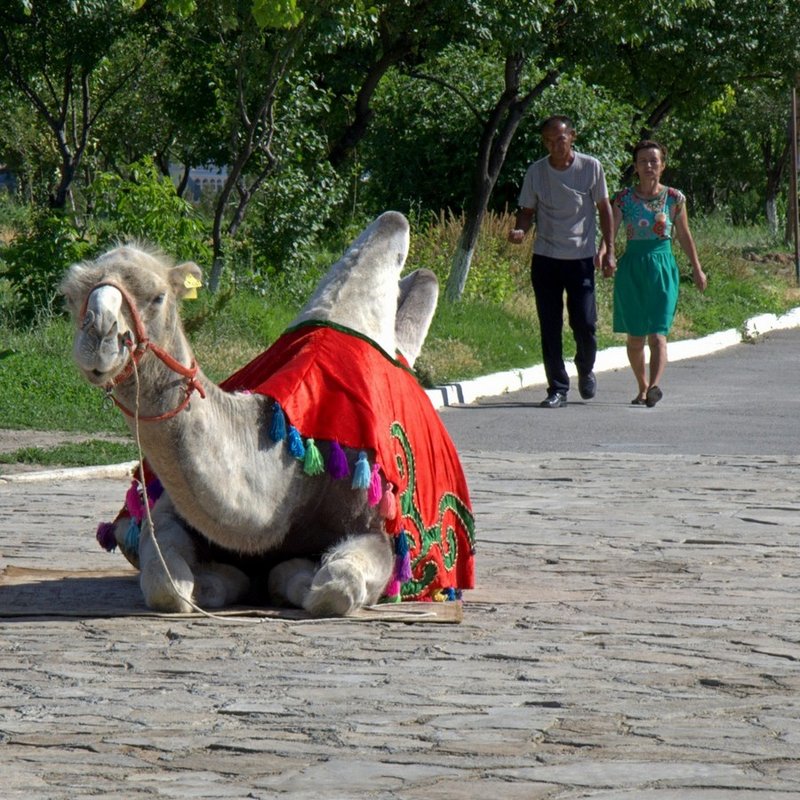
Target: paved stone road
(635,633)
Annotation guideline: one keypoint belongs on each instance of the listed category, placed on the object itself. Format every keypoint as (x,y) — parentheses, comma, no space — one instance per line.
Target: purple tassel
(361,475)
(277,428)
(296,447)
(105,536)
(338,468)
(154,491)
(375,486)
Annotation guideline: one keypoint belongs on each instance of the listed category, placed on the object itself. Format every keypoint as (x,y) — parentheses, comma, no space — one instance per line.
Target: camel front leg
(353,573)
(172,579)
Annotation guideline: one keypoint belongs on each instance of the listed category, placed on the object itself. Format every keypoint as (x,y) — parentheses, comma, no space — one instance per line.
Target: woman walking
(646,283)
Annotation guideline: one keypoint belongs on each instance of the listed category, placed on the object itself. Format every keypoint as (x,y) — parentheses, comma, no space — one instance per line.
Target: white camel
(234,490)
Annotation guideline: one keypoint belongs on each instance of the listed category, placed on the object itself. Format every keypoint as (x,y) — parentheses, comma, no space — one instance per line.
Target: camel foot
(352,575)
(289,582)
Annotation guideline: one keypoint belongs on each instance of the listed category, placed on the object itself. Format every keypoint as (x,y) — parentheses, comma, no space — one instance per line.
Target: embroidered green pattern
(442,536)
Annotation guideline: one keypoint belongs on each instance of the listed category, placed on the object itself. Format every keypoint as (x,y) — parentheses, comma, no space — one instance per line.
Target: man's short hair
(557,119)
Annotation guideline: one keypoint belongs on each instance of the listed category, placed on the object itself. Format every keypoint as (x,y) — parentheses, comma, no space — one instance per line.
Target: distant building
(207,180)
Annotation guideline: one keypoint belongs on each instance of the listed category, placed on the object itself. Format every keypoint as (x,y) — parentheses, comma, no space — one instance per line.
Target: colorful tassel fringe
(375,486)
(277,428)
(105,536)
(313,463)
(388,505)
(296,447)
(361,475)
(338,468)
(402,558)
(132,537)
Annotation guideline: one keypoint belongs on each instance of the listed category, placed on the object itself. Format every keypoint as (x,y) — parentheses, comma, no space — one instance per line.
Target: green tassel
(313,463)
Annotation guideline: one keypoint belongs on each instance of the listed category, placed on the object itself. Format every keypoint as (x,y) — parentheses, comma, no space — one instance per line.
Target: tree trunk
(498,131)
(462,260)
(771,210)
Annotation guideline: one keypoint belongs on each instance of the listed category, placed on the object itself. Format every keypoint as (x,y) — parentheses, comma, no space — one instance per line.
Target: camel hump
(416,305)
(360,291)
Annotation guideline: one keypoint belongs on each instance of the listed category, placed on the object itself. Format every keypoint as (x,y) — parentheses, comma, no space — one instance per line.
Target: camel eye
(158,299)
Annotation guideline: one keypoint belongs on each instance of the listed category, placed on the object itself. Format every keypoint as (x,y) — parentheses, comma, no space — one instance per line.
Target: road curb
(612,358)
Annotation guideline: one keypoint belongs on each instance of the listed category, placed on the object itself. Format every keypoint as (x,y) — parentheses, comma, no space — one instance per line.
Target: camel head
(124,298)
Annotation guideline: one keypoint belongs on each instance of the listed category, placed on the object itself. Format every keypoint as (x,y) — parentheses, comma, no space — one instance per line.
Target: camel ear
(186,279)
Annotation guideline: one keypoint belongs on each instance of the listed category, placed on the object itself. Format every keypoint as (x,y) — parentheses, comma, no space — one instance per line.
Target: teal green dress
(646,282)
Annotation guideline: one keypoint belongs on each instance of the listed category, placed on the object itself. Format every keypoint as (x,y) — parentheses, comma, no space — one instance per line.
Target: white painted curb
(612,358)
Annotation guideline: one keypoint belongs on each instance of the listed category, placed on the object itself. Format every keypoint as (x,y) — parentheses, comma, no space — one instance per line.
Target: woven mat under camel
(115,593)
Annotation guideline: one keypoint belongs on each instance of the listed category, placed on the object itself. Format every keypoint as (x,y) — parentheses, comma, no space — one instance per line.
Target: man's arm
(522,225)
(606,255)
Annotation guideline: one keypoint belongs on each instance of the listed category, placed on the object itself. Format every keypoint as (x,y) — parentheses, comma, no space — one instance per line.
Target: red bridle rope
(137,349)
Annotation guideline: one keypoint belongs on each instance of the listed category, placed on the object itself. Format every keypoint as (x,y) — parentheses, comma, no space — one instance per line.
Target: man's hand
(609,263)
(516,235)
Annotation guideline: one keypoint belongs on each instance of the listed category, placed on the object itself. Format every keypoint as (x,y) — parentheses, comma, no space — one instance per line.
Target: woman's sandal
(654,394)
(638,401)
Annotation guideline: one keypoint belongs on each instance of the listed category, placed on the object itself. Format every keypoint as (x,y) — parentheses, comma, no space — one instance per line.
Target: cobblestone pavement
(634,633)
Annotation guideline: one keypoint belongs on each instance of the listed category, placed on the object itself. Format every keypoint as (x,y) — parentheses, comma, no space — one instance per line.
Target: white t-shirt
(564,203)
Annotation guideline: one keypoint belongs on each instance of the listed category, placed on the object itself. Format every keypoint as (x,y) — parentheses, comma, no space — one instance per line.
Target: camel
(317,471)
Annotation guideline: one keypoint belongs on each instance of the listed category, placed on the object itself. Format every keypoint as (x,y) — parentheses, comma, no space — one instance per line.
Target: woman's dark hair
(649,144)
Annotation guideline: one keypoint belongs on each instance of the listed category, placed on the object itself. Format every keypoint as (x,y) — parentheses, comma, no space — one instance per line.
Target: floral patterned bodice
(649,219)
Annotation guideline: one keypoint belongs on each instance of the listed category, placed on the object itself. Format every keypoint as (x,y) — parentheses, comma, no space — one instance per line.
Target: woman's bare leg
(635,347)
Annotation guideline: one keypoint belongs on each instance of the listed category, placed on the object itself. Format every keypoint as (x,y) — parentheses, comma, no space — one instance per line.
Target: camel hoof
(289,582)
(338,589)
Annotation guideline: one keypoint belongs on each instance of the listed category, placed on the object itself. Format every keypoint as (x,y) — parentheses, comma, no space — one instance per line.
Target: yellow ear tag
(191,284)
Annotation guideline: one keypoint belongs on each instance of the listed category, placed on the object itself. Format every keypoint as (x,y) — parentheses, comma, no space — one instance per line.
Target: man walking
(560,194)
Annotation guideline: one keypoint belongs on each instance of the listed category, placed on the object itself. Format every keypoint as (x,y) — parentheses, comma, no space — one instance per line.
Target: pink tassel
(134,502)
(392,588)
(388,505)
(338,468)
(374,492)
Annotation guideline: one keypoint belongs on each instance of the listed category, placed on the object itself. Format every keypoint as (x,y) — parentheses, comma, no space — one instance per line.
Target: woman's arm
(685,240)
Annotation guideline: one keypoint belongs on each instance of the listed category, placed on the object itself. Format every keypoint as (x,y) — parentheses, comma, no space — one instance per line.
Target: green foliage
(35,261)
(146,208)
(498,268)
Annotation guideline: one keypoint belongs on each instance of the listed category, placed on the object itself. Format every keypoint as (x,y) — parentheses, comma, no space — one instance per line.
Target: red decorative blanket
(334,385)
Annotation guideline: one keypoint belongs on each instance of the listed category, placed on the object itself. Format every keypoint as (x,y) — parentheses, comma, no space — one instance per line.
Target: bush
(146,208)
(33,265)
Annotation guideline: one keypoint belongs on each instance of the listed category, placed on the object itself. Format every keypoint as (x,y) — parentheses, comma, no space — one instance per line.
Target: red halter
(138,349)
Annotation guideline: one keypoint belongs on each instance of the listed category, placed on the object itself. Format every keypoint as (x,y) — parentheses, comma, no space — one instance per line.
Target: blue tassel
(313,463)
(277,428)
(296,447)
(338,468)
(362,474)
(132,538)
(402,558)
(401,544)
